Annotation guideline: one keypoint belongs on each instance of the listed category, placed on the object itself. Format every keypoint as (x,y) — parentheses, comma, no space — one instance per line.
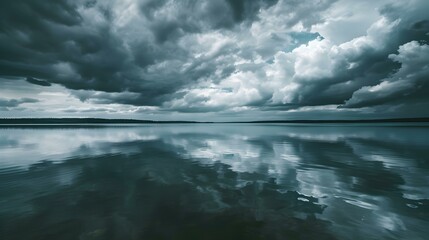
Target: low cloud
(38,82)
(12,103)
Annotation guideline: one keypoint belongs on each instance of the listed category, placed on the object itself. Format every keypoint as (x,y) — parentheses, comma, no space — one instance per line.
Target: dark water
(211,181)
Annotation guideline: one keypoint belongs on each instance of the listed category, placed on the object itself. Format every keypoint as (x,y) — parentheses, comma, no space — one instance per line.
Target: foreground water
(214,181)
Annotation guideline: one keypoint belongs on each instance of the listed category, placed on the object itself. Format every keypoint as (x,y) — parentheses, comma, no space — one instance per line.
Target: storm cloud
(38,82)
(225,56)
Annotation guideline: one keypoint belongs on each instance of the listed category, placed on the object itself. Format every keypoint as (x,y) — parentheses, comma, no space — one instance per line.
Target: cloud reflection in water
(217,181)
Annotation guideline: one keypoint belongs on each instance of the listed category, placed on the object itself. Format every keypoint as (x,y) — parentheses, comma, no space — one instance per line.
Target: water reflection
(214,182)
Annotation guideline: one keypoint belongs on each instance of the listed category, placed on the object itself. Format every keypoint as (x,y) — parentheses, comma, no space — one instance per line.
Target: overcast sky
(214,59)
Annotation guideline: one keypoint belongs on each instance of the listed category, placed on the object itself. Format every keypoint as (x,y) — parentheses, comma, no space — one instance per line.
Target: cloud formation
(221,56)
(408,83)
(5,104)
(38,82)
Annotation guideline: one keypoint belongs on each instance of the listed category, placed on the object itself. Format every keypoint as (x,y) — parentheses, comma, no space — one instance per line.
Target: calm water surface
(214,181)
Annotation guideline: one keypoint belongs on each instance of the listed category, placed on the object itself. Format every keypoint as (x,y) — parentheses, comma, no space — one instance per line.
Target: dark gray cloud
(248,9)
(59,42)
(38,82)
(63,46)
(408,83)
(213,56)
(11,103)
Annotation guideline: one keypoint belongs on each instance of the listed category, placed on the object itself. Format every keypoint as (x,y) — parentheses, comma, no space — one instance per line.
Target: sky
(214,60)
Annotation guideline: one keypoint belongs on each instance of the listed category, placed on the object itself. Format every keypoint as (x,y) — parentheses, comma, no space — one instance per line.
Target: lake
(214,181)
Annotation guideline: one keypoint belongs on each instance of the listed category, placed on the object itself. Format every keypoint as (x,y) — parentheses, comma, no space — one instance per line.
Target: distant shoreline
(72,121)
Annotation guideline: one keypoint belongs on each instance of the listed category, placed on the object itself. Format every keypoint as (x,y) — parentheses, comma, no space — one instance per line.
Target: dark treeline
(388,120)
(13,121)
(80,121)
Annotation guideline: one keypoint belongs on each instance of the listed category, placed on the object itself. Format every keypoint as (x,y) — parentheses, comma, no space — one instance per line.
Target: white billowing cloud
(282,80)
(350,18)
(321,60)
(238,89)
(313,61)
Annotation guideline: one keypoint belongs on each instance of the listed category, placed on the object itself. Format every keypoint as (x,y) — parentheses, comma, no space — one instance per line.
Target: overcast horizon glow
(214,60)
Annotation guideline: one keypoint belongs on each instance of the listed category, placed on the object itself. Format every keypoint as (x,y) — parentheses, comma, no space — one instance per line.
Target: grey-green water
(214,181)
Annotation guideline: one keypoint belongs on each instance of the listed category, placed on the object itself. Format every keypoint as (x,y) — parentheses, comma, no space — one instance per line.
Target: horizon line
(86,120)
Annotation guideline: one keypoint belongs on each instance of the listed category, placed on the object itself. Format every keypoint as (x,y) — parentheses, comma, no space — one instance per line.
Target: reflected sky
(215,181)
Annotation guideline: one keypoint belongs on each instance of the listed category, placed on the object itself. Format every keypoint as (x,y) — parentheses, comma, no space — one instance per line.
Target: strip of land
(80,121)
(31,121)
